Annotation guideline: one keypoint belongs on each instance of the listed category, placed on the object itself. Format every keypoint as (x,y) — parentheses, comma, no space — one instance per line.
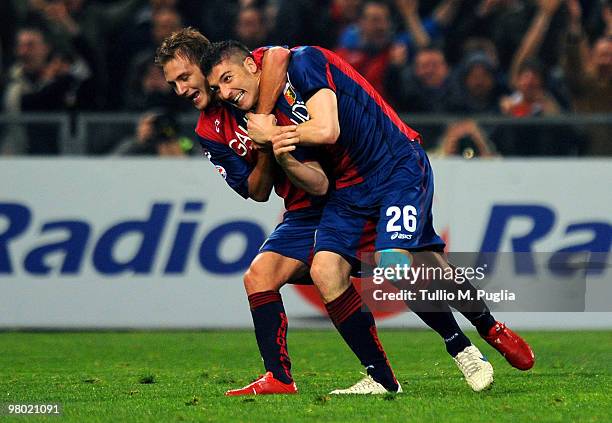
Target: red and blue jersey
(222,133)
(372,136)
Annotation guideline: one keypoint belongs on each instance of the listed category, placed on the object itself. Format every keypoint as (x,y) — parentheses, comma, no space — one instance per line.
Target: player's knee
(252,278)
(257,279)
(327,280)
(319,273)
(320,278)
(329,268)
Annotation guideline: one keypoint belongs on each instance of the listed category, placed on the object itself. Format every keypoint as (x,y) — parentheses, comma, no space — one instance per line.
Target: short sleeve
(231,167)
(258,55)
(309,71)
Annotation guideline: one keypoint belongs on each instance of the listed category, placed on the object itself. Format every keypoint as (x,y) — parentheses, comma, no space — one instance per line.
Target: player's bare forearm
(308,176)
(273,78)
(324,125)
(261,178)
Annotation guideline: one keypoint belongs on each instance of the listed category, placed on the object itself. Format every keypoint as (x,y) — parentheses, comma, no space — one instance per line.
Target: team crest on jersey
(290,95)
(221,171)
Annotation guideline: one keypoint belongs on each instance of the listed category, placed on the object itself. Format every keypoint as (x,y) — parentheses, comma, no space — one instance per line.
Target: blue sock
(446,326)
(270,323)
(358,329)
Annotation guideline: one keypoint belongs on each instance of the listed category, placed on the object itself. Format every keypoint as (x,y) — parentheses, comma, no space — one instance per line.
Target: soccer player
(286,254)
(380,171)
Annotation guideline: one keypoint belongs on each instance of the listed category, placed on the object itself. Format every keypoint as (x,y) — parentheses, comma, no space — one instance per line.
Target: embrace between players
(308,125)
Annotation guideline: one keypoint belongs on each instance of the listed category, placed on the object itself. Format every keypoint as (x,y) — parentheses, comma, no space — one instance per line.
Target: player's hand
(261,128)
(284,143)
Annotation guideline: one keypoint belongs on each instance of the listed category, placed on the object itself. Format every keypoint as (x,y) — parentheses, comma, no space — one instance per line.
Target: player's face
(236,82)
(188,81)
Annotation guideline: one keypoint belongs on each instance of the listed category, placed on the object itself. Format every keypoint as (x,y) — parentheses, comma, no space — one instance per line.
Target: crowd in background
(519,58)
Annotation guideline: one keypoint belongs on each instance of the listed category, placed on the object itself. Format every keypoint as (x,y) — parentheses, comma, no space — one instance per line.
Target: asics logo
(398,235)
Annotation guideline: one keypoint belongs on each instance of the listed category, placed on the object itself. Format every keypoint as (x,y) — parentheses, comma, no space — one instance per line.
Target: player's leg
(405,234)
(266,275)
(508,343)
(436,314)
(335,243)
(284,257)
(405,230)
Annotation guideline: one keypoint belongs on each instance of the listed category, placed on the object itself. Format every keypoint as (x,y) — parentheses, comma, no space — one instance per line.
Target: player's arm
(261,179)
(262,125)
(248,180)
(310,74)
(235,170)
(324,125)
(307,175)
(273,78)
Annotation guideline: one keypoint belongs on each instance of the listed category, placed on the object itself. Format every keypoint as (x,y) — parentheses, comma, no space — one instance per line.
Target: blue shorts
(400,204)
(294,236)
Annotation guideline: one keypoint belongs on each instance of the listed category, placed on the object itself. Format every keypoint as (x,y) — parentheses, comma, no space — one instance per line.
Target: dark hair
(218,52)
(188,43)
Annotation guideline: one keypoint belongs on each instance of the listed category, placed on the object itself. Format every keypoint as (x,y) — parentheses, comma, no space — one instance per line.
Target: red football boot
(265,385)
(510,345)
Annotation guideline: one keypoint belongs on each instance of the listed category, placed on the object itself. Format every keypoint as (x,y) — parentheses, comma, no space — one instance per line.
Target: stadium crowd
(516,58)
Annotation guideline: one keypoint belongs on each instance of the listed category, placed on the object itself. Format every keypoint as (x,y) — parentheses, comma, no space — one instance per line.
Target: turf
(181,376)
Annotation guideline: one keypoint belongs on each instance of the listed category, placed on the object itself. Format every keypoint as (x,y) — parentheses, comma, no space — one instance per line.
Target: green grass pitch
(181,376)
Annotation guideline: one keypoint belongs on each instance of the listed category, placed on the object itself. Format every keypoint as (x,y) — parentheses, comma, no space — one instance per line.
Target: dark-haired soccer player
(286,254)
(381,173)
